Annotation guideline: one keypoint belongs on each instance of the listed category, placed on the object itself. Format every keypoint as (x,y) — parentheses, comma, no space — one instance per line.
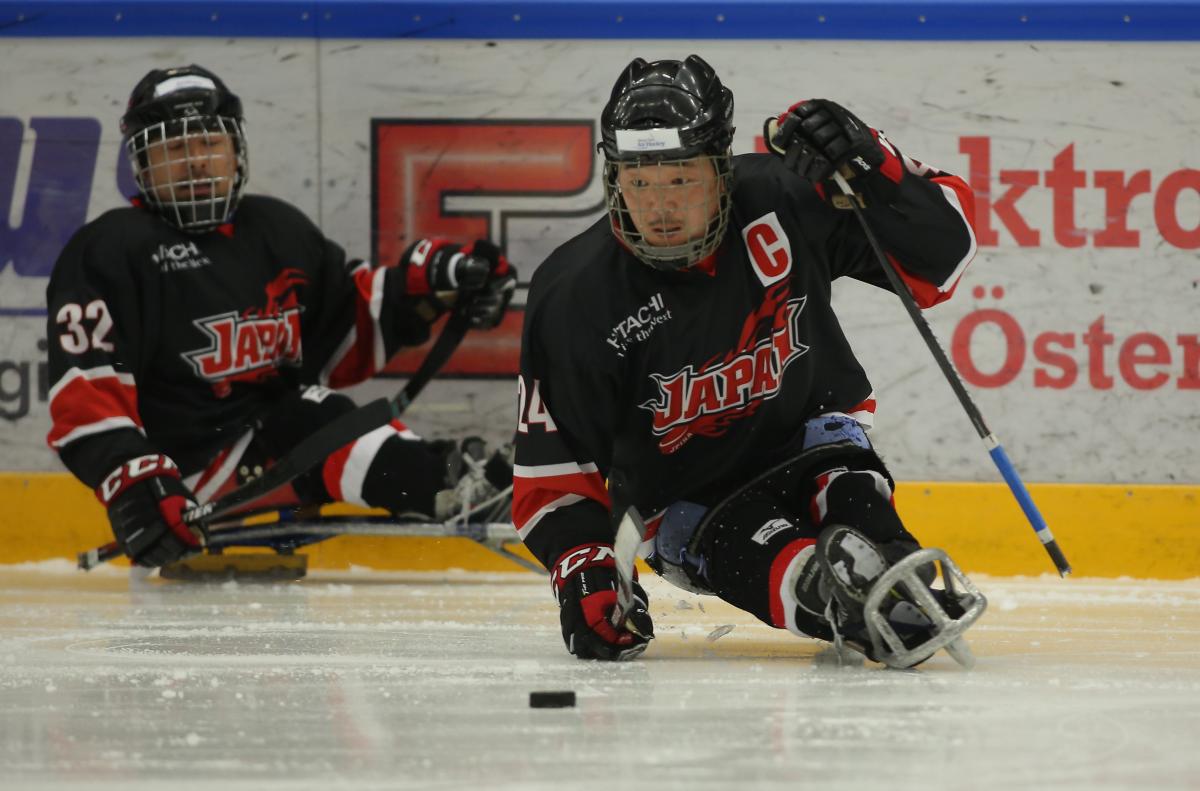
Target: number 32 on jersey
(76,339)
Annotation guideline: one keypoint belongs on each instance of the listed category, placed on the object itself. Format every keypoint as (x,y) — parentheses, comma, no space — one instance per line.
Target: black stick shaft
(995,450)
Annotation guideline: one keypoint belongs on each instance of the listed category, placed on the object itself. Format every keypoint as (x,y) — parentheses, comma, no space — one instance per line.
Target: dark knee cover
(403,475)
(858,494)
(297,415)
(292,418)
(756,550)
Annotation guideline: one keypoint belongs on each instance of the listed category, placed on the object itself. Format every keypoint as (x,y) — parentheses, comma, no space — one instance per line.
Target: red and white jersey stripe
(346,469)
(362,353)
(863,412)
(218,477)
(542,489)
(91,401)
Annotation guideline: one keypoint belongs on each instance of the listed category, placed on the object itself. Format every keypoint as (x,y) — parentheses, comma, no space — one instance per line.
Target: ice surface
(370,680)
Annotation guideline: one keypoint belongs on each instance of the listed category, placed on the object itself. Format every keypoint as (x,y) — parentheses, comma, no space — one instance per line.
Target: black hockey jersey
(670,386)
(167,342)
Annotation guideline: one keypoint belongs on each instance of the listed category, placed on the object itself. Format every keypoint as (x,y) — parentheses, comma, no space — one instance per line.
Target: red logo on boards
(421,165)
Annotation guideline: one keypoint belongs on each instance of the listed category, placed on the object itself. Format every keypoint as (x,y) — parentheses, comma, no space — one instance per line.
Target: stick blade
(630,534)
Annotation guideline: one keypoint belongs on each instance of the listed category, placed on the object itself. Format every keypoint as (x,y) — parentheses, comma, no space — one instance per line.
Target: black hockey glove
(146,499)
(817,137)
(487,304)
(585,583)
(476,275)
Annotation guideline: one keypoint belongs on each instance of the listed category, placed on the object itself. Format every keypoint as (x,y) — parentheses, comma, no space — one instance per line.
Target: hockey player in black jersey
(682,357)
(195,336)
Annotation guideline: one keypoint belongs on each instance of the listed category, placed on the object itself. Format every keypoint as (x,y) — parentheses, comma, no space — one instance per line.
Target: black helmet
(664,113)
(684,96)
(187,102)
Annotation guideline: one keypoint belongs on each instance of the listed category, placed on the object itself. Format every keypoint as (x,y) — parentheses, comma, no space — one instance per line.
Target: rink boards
(1075,328)
(1105,531)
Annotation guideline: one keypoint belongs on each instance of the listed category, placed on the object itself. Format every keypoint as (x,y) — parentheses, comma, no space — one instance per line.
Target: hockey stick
(990,441)
(630,533)
(287,536)
(294,526)
(495,536)
(320,444)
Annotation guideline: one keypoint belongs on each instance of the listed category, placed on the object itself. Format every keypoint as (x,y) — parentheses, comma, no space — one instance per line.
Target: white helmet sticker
(647,139)
(183,82)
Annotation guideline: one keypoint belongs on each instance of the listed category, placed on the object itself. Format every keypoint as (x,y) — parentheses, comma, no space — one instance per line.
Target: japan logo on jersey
(735,385)
(252,346)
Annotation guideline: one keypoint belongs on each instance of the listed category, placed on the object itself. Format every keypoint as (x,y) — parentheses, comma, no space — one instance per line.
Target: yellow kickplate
(249,567)
(1144,531)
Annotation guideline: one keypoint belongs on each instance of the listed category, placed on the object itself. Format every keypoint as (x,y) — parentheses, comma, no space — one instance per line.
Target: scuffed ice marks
(366,681)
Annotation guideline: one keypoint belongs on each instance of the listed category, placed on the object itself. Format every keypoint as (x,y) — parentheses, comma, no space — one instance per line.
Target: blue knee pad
(833,429)
(671,559)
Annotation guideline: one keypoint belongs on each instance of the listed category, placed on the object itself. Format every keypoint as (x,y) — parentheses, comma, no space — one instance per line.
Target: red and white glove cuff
(417,278)
(136,469)
(582,557)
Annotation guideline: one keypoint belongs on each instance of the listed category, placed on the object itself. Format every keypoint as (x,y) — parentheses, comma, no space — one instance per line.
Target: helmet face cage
(183,170)
(666,134)
(670,213)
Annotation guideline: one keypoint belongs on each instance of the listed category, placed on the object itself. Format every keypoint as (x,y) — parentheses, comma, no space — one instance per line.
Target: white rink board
(1115,108)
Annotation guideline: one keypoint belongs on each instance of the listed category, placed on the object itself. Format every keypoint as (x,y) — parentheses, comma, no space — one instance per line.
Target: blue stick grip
(996,451)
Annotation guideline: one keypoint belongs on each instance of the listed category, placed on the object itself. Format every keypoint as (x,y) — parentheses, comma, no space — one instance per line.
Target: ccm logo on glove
(132,471)
(582,557)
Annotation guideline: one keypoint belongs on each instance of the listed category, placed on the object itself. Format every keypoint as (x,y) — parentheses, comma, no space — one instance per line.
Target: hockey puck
(551,700)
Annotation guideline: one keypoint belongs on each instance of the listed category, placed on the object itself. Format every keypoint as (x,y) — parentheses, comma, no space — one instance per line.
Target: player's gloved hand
(817,137)
(146,499)
(585,582)
(487,303)
(476,275)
